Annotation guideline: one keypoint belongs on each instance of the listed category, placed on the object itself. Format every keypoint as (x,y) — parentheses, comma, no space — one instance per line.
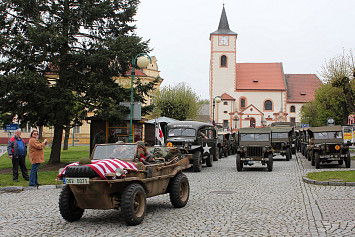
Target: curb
(25,188)
(327,183)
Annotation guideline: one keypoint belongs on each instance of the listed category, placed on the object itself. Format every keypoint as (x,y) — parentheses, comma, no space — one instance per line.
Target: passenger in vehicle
(143,155)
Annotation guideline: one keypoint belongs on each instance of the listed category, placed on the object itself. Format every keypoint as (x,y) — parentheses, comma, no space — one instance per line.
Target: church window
(225,103)
(225,111)
(268,105)
(293,119)
(242,103)
(223,61)
(293,109)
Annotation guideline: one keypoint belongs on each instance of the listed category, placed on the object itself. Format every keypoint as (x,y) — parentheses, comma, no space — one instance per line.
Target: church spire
(223,27)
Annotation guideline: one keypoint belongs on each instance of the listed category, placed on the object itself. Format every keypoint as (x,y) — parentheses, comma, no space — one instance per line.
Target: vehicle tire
(309,157)
(216,154)
(317,160)
(225,152)
(239,163)
(347,160)
(340,162)
(179,190)
(68,206)
(270,162)
(133,204)
(288,154)
(197,162)
(220,150)
(209,160)
(80,171)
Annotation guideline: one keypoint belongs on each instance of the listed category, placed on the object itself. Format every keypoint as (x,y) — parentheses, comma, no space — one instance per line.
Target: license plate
(77,180)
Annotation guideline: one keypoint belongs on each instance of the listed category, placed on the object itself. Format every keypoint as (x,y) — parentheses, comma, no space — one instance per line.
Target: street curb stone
(25,188)
(326,183)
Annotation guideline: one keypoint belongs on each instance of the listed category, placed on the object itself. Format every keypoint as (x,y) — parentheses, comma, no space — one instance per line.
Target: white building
(254,94)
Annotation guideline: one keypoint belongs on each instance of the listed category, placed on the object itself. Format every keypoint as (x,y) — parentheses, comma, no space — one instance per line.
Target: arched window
(293,109)
(268,105)
(223,61)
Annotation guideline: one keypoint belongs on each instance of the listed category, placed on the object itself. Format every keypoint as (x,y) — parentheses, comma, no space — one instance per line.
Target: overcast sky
(301,34)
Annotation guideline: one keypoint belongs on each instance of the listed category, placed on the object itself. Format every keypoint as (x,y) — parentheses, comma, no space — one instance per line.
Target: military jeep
(197,138)
(254,146)
(327,145)
(281,140)
(113,179)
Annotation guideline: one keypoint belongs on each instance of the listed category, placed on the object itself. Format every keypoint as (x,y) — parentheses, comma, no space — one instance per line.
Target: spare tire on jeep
(80,171)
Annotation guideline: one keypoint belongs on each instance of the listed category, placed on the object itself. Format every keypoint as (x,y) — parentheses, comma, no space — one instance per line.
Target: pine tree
(59,60)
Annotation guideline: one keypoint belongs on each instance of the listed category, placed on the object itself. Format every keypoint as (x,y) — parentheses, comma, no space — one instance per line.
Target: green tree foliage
(336,97)
(58,61)
(340,72)
(176,101)
(329,102)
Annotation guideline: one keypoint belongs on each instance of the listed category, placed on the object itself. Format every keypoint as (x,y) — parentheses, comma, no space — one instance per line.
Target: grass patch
(334,176)
(46,173)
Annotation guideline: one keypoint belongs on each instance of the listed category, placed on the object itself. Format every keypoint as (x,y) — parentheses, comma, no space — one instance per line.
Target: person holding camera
(36,156)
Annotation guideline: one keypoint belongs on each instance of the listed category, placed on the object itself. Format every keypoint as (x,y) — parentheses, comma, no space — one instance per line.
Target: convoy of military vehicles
(115,177)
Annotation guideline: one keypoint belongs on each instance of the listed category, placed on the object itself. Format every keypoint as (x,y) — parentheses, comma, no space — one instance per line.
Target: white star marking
(206,148)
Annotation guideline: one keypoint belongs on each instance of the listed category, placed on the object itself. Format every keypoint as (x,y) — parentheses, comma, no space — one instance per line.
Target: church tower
(222,64)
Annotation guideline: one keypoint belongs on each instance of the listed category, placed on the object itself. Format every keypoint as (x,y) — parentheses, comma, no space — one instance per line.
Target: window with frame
(225,103)
(242,103)
(293,119)
(76,129)
(225,124)
(223,61)
(293,109)
(268,105)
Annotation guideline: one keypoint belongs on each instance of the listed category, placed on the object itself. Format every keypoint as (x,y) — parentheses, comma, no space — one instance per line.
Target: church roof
(225,96)
(223,27)
(260,76)
(301,87)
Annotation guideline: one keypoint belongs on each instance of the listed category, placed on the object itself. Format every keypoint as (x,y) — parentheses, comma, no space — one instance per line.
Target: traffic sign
(12,126)
(305,125)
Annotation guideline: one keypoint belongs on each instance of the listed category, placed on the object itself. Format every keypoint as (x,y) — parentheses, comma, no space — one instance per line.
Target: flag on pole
(159,134)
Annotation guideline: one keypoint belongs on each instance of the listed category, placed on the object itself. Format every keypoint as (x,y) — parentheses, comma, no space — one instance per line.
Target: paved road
(223,202)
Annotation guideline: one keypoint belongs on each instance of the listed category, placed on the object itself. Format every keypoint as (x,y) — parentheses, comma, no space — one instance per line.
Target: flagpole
(155,131)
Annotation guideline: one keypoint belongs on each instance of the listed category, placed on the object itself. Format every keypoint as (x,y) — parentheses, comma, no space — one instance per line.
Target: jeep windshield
(182,132)
(115,151)
(328,135)
(279,135)
(258,137)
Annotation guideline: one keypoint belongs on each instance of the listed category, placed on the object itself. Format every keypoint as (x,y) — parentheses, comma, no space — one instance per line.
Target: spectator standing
(99,138)
(112,137)
(17,151)
(36,156)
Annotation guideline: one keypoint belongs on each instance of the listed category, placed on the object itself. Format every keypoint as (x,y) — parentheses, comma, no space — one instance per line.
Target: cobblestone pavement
(223,202)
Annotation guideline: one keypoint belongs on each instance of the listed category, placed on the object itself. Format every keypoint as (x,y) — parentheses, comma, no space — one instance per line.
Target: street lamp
(142,62)
(216,99)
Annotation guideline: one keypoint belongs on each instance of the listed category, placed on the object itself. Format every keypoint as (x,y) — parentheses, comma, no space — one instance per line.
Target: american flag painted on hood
(103,167)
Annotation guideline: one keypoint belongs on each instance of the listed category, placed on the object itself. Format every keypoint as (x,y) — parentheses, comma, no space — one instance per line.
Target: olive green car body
(326,145)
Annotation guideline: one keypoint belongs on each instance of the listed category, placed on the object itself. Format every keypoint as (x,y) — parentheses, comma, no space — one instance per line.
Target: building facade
(253,94)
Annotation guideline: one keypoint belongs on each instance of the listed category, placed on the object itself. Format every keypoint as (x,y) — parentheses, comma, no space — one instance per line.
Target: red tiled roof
(260,76)
(225,96)
(301,87)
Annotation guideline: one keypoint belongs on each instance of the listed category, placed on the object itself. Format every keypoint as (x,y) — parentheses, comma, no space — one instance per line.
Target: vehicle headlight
(119,172)
(245,149)
(60,170)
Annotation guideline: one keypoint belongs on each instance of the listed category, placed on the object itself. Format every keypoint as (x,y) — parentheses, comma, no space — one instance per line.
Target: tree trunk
(66,138)
(40,132)
(56,146)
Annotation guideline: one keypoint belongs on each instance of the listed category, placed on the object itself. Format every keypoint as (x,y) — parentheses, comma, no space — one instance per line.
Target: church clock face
(223,40)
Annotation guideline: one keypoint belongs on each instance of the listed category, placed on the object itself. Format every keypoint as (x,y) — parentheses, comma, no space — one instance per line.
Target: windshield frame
(114,151)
